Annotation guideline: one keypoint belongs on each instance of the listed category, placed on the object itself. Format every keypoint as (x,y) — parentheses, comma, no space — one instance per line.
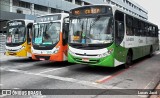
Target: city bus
(18,38)
(50,37)
(105,35)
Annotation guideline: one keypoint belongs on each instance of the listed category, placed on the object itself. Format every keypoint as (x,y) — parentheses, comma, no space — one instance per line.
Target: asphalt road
(23,73)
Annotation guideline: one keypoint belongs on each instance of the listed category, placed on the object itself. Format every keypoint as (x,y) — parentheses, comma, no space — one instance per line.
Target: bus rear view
(50,37)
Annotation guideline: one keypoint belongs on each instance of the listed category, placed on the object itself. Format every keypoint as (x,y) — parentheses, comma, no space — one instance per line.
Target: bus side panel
(120,54)
(65,52)
(28,49)
(33,56)
(137,52)
(59,55)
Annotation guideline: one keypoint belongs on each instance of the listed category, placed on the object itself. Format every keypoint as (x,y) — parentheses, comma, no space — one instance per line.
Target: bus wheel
(30,58)
(151,52)
(128,60)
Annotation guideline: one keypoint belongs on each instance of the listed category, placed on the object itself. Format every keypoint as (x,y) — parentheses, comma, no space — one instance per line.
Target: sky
(153,7)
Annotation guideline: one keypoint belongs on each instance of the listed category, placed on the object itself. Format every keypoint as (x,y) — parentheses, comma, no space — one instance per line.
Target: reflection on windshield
(91,30)
(16,34)
(46,33)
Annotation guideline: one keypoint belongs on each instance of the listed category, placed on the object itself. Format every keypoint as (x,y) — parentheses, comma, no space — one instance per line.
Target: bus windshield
(46,33)
(92,30)
(16,34)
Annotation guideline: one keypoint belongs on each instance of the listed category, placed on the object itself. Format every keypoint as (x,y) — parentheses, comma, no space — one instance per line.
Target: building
(28,9)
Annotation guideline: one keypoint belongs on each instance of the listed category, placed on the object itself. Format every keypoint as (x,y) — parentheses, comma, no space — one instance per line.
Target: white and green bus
(105,35)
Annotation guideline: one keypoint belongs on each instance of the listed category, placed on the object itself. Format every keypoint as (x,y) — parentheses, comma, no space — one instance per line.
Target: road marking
(19,65)
(107,78)
(87,83)
(100,80)
(143,96)
(157,76)
(22,65)
(151,82)
(3,95)
(51,69)
(4,57)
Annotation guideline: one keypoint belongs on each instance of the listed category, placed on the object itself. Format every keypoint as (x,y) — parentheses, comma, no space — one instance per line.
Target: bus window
(139,28)
(129,25)
(146,29)
(142,29)
(154,31)
(135,26)
(150,31)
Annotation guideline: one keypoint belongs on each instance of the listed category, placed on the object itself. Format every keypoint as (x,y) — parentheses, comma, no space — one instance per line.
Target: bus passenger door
(65,35)
(119,37)
(29,36)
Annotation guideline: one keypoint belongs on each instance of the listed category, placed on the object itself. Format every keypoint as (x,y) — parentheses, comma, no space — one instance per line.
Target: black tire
(128,60)
(151,52)
(30,58)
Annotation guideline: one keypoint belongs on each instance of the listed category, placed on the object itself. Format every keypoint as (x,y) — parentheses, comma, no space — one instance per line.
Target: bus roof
(115,8)
(26,20)
(63,14)
(129,9)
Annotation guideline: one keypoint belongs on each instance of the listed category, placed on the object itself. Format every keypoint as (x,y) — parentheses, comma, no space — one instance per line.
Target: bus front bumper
(105,62)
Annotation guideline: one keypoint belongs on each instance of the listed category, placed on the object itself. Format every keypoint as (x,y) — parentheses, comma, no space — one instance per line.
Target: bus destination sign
(91,10)
(15,23)
(48,18)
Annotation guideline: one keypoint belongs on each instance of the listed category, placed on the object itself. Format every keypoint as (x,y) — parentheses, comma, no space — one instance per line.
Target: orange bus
(50,37)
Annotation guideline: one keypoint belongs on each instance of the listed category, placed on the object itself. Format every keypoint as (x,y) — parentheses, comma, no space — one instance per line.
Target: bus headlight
(71,52)
(56,50)
(22,47)
(103,55)
(106,53)
(110,51)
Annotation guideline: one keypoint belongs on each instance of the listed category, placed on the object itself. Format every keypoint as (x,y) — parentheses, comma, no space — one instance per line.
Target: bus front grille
(89,62)
(86,54)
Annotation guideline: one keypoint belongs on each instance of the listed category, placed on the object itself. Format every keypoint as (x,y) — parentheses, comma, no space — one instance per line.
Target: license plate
(42,59)
(85,60)
(12,53)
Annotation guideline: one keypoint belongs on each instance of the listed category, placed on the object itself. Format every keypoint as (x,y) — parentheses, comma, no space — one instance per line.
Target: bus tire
(128,60)
(151,52)
(30,58)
